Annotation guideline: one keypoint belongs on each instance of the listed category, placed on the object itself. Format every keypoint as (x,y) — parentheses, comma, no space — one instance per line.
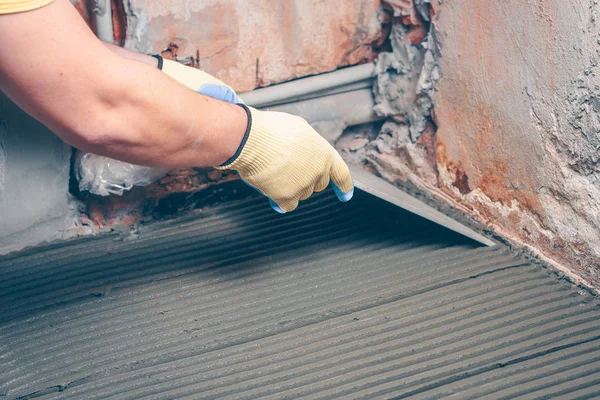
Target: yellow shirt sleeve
(14,6)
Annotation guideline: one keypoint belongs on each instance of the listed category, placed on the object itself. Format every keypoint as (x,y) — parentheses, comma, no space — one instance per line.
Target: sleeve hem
(13,7)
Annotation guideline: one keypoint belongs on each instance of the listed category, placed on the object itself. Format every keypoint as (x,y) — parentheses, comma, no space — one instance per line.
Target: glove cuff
(227,164)
(159,59)
(258,149)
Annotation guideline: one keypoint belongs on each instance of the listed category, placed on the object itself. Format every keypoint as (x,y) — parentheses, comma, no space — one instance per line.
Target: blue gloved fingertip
(219,92)
(275,207)
(344,197)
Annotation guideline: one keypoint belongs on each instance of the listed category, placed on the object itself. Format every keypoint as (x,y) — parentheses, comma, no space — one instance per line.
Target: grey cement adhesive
(360,300)
(35,204)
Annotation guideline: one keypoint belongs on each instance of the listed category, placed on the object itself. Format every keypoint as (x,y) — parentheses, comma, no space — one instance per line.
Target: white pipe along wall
(290,91)
(104,24)
(331,102)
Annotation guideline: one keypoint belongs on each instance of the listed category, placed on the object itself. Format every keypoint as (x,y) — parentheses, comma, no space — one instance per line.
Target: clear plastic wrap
(104,176)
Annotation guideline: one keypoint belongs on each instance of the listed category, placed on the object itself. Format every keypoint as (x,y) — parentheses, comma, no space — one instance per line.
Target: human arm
(193,78)
(272,136)
(132,55)
(60,73)
(126,109)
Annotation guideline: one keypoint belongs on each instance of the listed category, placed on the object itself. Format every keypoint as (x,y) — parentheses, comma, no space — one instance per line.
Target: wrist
(242,142)
(159,61)
(232,145)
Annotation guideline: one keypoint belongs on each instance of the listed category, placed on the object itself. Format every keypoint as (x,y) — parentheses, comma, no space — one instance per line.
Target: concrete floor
(357,300)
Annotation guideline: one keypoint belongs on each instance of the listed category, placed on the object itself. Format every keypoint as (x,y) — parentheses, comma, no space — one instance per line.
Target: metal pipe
(331,114)
(388,192)
(104,23)
(290,91)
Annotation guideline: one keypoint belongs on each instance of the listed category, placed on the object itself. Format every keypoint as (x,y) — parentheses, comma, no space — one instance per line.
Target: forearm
(103,103)
(149,119)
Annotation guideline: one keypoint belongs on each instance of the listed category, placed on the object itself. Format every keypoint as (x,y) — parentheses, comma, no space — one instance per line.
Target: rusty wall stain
(517,77)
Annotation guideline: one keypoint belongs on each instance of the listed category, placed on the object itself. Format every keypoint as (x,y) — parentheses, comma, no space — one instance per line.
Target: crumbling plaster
(519,125)
(494,108)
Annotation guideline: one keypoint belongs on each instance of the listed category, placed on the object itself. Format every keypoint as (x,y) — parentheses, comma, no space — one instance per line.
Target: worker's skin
(109,101)
(132,55)
(53,67)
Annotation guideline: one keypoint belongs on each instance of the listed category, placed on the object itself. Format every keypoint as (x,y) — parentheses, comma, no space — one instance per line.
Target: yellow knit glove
(283,157)
(198,80)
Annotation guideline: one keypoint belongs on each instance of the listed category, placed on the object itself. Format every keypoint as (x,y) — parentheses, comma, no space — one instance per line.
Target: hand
(283,157)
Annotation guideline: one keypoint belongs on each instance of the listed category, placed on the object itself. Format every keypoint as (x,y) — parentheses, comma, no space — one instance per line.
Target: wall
(251,43)
(35,204)
(510,133)
(518,116)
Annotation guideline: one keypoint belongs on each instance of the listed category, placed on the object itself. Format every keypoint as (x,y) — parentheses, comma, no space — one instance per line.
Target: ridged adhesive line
(335,300)
(293,339)
(153,348)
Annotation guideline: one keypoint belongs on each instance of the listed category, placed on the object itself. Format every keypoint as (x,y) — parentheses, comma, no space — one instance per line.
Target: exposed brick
(250,43)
